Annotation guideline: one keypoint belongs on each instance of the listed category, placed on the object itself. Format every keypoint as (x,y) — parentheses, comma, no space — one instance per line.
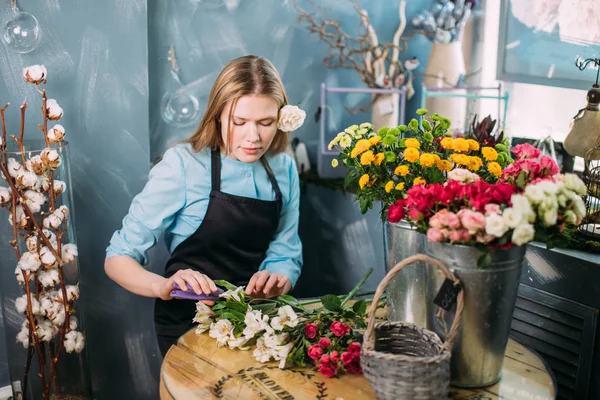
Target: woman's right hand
(200,283)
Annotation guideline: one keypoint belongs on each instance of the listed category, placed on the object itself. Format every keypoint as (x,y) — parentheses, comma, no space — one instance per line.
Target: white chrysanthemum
(59,187)
(236,294)
(35,74)
(495,225)
(574,183)
(366,125)
(286,317)
(262,353)
(5,196)
(34,200)
(290,118)
(74,342)
(30,261)
(522,234)
(69,252)
(53,110)
(20,217)
(14,167)
(27,179)
(49,278)
(345,141)
(351,129)
(56,134)
(221,331)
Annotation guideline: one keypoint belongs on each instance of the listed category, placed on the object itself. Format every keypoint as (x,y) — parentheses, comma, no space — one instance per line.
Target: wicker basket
(403,361)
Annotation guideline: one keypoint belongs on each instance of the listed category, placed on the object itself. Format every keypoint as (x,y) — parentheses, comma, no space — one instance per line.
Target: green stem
(358,285)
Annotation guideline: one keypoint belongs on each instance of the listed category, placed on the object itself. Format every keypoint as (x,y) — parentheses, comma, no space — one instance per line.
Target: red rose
(315,351)
(328,369)
(310,330)
(324,359)
(339,328)
(334,356)
(347,358)
(354,348)
(324,342)
(354,366)
(396,212)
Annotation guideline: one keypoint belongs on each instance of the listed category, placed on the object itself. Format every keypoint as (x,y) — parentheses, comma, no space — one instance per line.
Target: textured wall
(109,70)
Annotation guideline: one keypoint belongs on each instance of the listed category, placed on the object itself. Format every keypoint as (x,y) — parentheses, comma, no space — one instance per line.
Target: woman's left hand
(265,285)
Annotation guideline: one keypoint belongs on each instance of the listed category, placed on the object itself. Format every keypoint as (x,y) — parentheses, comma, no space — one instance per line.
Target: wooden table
(196,369)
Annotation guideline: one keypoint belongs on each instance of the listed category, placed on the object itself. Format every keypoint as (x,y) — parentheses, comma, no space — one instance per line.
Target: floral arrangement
(284,329)
(530,201)
(383,165)
(40,225)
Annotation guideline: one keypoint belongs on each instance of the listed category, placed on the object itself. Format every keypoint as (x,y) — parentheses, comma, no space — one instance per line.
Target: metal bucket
(490,295)
(410,294)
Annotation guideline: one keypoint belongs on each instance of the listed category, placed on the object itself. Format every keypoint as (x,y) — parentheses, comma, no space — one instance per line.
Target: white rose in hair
(35,74)
(290,118)
(53,110)
(56,134)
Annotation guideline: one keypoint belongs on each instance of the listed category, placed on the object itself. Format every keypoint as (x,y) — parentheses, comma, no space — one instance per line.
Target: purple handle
(191,295)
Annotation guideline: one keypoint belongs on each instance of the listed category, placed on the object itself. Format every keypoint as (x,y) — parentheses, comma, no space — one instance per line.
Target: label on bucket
(446,297)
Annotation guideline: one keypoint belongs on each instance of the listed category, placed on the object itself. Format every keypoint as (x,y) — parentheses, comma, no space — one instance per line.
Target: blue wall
(108,68)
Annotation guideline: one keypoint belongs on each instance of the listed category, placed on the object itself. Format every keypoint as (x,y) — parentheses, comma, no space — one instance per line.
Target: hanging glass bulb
(22,32)
(180,108)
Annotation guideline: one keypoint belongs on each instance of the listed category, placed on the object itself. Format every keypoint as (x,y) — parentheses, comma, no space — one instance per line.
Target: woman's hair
(244,76)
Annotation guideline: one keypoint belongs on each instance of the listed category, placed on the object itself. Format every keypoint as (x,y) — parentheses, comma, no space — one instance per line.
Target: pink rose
(339,328)
(436,221)
(492,208)
(334,356)
(315,351)
(354,366)
(453,221)
(324,359)
(354,348)
(347,358)
(324,342)
(328,369)
(455,236)
(471,220)
(434,235)
(526,150)
(310,330)
(549,167)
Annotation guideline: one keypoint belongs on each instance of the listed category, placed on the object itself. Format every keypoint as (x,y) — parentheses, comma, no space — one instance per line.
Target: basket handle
(369,342)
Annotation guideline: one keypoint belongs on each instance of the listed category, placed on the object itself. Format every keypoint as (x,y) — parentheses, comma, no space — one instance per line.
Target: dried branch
(367,107)
(397,35)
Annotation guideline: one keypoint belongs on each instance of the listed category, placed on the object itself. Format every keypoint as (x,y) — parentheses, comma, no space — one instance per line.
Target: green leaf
(360,307)
(521,180)
(233,316)
(288,299)
(225,284)
(350,178)
(484,260)
(265,308)
(365,204)
(235,306)
(331,302)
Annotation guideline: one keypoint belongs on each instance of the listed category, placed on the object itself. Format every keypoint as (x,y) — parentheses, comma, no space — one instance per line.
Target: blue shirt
(175,200)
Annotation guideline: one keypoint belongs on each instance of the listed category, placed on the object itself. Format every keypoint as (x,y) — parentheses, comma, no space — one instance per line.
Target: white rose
(550,217)
(69,252)
(578,206)
(521,205)
(53,110)
(547,186)
(462,175)
(522,234)
(534,193)
(74,342)
(495,225)
(512,218)
(35,74)
(56,134)
(290,118)
(5,196)
(573,182)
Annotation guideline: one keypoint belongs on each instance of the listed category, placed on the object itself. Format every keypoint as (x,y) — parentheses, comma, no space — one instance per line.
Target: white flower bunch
(344,139)
(290,118)
(463,175)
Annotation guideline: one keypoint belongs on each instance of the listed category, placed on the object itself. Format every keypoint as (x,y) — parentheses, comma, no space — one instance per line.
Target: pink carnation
(549,167)
(526,150)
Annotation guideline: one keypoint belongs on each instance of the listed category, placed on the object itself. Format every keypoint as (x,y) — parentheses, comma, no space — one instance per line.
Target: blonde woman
(227,200)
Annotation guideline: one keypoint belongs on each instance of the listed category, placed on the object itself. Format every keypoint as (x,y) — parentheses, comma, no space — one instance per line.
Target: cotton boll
(5,197)
(74,342)
(49,278)
(34,200)
(30,261)
(69,252)
(20,217)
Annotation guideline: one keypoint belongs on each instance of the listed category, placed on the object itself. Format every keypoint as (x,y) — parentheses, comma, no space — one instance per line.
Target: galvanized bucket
(410,294)
(490,295)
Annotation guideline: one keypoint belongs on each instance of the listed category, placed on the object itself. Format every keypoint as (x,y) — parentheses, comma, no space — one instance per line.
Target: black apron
(230,244)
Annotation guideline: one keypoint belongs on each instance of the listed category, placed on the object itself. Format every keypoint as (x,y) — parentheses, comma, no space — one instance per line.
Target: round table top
(195,368)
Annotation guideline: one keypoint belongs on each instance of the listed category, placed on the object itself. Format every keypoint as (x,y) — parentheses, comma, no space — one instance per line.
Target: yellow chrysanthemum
(379,157)
(400,186)
(374,140)
(360,147)
(418,181)
(411,154)
(412,142)
(447,143)
(334,163)
(495,169)
(474,163)
(363,181)
(367,158)
(427,160)
(443,165)
(489,153)
(473,144)
(461,145)
(459,159)
(436,157)
(389,186)
(401,170)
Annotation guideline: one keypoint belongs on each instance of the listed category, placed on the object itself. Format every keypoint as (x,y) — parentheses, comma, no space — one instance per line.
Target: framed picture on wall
(539,41)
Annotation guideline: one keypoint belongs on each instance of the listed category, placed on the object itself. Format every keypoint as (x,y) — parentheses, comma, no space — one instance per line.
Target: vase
(410,294)
(385,111)
(53,363)
(444,69)
(489,301)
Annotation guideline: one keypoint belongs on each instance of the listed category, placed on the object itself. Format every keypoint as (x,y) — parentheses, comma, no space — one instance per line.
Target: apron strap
(215,159)
(271,176)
